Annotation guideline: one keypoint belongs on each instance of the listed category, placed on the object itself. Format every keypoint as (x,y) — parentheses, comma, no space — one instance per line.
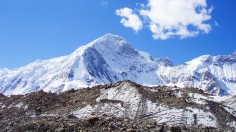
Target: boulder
(92,119)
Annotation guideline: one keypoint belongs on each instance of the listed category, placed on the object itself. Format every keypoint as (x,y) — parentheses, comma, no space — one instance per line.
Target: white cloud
(130,19)
(176,18)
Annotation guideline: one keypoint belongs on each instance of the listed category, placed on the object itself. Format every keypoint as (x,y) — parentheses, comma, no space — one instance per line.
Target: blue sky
(44,29)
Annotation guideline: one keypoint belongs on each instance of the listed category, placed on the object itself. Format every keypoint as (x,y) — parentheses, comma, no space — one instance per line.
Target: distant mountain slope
(213,74)
(109,59)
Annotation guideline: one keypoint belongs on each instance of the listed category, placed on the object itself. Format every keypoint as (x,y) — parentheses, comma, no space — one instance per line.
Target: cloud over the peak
(176,18)
(129,19)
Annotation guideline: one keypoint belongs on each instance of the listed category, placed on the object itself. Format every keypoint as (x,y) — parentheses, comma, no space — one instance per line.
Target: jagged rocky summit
(109,59)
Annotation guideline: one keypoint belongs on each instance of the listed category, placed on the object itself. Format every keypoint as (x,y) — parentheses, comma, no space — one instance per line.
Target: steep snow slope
(214,74)
(107,59)
(111,58)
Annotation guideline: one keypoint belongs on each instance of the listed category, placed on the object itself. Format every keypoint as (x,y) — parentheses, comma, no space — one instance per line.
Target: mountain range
(111,58)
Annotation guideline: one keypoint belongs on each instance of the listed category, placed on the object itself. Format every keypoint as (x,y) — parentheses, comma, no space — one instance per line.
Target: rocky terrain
(122,106)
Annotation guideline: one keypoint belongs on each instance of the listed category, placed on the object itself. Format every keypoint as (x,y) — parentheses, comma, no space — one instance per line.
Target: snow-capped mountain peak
(112,43)
(107,42)
(213,74)
(111,58)
(221,59)
(200,60)
(111,39)
(105,60)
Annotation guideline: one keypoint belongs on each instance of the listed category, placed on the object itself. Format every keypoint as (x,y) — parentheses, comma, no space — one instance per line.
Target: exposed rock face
(124,106)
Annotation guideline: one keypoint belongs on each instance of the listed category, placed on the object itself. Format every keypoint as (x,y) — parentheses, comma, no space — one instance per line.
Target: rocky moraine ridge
(122,106)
